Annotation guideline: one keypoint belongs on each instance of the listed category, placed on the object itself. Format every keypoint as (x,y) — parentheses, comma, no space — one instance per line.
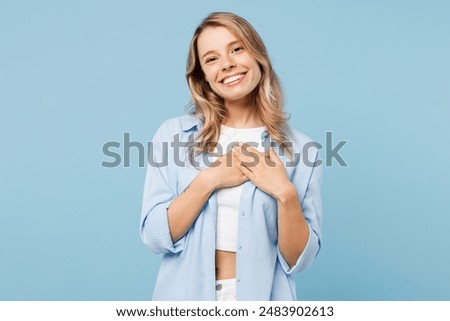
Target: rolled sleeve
(306,258)
(312,211)
(158,194)
(155,232)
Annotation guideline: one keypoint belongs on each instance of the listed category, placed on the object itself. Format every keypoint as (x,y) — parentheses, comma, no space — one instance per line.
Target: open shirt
(187,270)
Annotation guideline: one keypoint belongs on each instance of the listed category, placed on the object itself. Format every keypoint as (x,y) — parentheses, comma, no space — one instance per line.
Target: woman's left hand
(265,170)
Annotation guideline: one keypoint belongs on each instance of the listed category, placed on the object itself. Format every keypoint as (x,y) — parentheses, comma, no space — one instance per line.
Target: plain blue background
(77,74)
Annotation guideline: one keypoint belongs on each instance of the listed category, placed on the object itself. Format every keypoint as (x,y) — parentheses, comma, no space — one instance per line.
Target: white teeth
(232,78)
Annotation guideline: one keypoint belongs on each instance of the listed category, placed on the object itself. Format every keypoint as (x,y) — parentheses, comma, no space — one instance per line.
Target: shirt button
(240,247)
(218,287)
(243,213)
(238,280)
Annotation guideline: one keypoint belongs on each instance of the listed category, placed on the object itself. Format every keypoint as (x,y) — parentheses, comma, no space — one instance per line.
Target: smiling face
(230,70)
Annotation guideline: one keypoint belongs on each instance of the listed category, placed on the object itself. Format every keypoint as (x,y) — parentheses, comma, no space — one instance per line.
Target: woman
(229,200)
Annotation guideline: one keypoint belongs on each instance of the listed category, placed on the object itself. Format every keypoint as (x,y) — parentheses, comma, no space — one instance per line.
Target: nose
(228,63)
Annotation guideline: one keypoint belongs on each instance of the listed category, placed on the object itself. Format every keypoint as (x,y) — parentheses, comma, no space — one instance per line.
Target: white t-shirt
(228,199)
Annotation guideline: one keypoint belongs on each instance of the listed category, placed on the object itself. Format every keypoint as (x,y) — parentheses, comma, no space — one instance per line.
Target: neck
(242,114)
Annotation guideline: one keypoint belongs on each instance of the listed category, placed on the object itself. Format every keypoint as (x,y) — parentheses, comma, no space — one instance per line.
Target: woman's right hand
(184,209)
(225,172)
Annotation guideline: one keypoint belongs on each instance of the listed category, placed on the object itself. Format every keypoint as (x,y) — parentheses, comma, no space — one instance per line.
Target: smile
(233,79)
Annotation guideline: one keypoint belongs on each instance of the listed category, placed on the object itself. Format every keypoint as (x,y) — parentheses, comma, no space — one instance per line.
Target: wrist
(286,193)
(206,180)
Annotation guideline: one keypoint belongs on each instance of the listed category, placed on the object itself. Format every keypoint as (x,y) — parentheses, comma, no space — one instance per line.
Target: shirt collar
(191,123)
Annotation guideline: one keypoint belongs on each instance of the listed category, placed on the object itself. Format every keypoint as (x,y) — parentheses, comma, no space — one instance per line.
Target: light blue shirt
(187,270)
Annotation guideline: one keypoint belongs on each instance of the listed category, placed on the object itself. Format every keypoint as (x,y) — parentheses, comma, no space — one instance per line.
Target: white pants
(226,290)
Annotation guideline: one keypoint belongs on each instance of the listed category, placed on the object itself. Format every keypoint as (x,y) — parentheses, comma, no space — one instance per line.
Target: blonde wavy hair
(210,108)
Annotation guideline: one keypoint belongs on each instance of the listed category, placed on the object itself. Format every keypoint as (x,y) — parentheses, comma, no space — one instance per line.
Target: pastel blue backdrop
(77,74)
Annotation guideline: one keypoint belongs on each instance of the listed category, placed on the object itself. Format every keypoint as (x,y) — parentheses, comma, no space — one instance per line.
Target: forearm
(184,209)
(293,230)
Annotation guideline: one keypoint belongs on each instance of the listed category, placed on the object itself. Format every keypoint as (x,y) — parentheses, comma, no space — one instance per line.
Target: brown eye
(210,59)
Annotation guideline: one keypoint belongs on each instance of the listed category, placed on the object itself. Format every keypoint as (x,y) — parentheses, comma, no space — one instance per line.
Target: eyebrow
(228,46)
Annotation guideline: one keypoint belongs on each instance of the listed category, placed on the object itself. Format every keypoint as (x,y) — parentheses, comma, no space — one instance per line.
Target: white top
(228,199)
